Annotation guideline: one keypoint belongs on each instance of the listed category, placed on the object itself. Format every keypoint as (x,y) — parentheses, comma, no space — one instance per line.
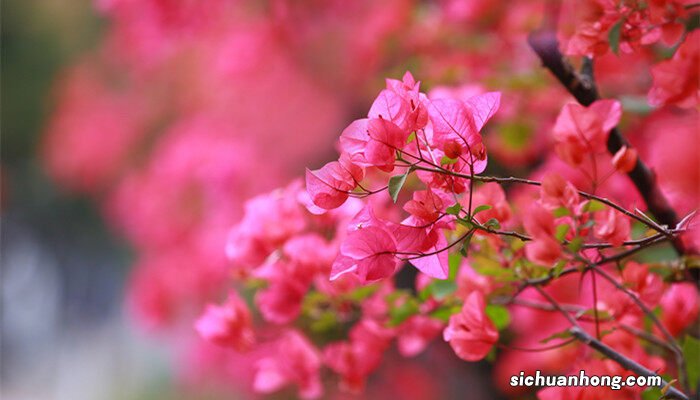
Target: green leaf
(517,244)
(602,314)
(403,312)
(490,267)
(658,254)
(362,292)
(558,267)
(454,260)
(442,289)
(561,212)
(614,36)
(691,261)
(255,284)
(396,183)
(493,223)
(491,357)
(561,232)
(515,135)
(313,301)
(411,137)
(324,322)
(691,353)
(464,248)
(454,209)
(606,332)
(396,295)
(499,315)
(438,290)
(653,393)
(636,104)
(465,222)
(481,208)
(593,205)
(444,313)
(559,335)
(447,160)
(648,322)
(575,244)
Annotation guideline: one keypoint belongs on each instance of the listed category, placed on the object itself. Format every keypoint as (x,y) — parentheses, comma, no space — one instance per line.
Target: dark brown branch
(623,361)
(583,88)
(627,363)
(678,352)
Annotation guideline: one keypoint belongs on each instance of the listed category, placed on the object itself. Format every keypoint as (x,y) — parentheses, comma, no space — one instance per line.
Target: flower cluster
(286,268)
(404,129)
(327,258)
(415,234)
(593,27)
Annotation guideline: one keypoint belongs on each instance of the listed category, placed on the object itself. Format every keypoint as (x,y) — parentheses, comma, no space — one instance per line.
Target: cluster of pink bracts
(190,107)
(322,259)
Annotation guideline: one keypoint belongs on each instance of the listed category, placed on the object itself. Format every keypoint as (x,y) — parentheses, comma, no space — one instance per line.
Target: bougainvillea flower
(583,130)
(539,223)
(353,141)
(584,25)
(557,192)
(371,250)
(680,305)
(483,107)
(355,359)
(416,333)
(389,106)
(99,126)
(426,205)
(434,262)
(269,220)
(412,114)
(280,302)
(385,139)
(330,186)
(469,281)
(676,81)
(625,159)
(471,332)
(309,254)
(447,183)
(228,324)
(491,194)
(294,360)
(456,125)
(612,227)
(648,285)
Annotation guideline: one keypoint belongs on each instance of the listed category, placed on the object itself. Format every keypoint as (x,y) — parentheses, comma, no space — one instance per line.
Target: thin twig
(678,353)
(624,362)
(646,336)
(511,179)
(579,333)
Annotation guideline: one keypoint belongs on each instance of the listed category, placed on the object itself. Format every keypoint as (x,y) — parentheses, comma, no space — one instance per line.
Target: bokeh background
(64,332)
(70,329)
(133,131)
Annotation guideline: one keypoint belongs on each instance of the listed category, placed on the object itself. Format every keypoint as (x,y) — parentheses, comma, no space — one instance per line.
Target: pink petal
(434,265)
(341,266)
(483,107)
(389,106)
